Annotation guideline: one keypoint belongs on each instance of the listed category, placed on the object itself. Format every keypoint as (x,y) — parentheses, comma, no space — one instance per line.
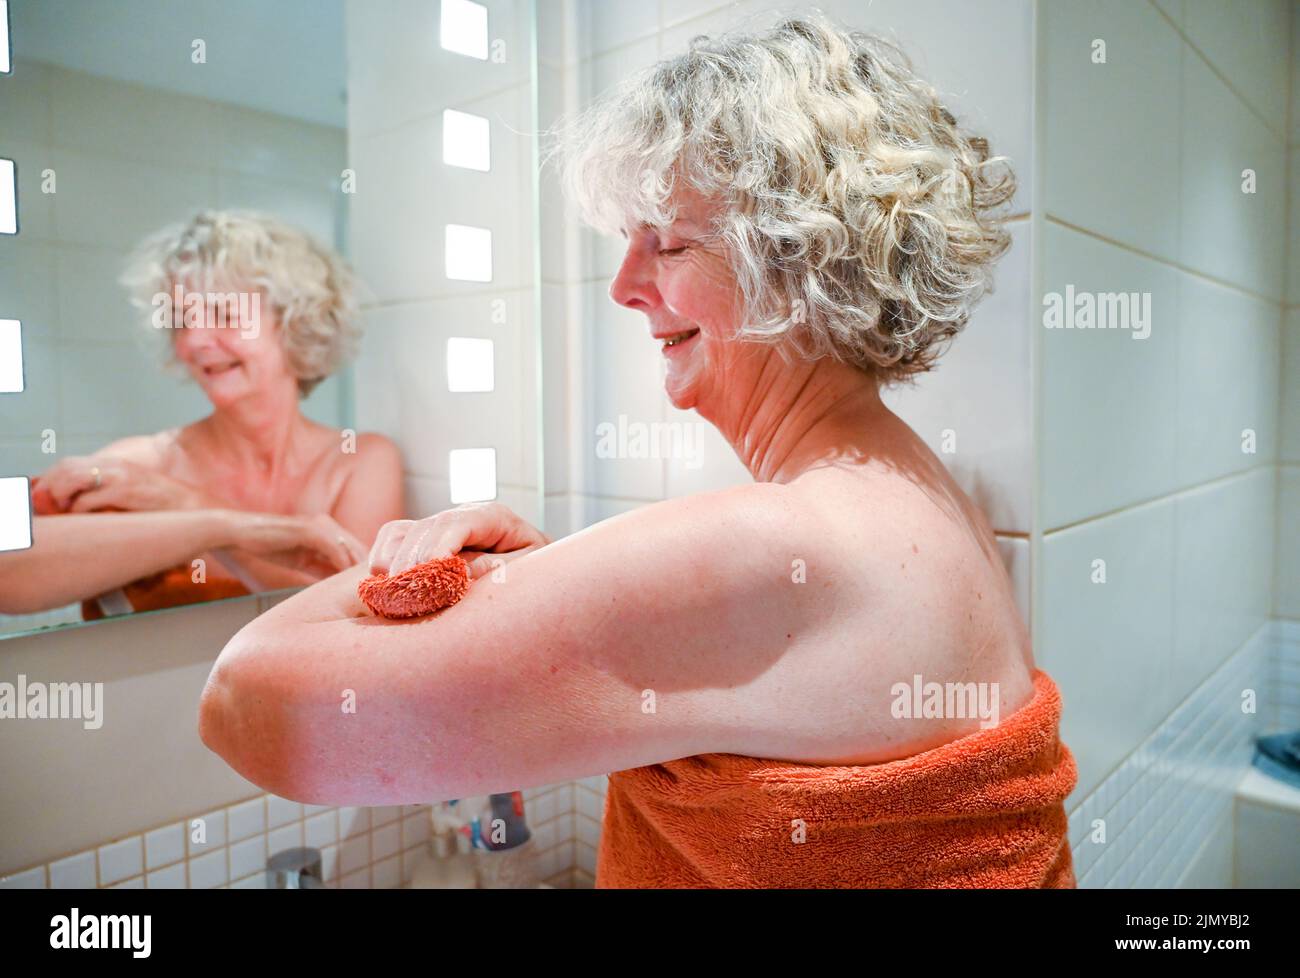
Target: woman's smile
(674,344)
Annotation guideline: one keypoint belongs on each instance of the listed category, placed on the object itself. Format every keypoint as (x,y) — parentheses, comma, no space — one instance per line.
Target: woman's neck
(259,433)
(803,415)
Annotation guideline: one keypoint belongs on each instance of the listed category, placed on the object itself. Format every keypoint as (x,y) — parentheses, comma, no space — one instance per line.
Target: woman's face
(235,352)
(683,283)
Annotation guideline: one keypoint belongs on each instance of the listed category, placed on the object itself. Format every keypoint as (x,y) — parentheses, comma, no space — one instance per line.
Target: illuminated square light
(464,28)
(466,141)
(11,357)
(15,513)
(6,59)
(469,253)
(8,198)
(469,365)
(473,474)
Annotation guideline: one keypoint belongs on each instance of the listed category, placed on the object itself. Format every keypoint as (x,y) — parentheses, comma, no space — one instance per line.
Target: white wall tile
(107,118)
(209,870)
(1225,233)
(169,878)
(1286,602)
(1109,434)
(246,819)
(624,388)
(27,290)
(1112,139)
(164,846)
(1227,375)
(74,873)
(407,73)
(26,106)
(120,860)
(1109,647)
(103,201)
(1222,573)
(603,25)
(1289,435)
(1251,46)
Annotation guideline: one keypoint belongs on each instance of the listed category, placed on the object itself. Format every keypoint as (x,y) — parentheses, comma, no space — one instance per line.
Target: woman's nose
(190,338)
(633,286)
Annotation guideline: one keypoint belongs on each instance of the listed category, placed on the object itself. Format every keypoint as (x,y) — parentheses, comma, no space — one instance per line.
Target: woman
(257,314)
(804,223)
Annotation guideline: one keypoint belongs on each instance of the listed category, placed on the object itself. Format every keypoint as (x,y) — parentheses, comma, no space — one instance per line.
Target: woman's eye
(672,251)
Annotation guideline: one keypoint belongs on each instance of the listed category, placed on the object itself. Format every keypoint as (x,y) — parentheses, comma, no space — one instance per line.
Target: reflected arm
(77,556)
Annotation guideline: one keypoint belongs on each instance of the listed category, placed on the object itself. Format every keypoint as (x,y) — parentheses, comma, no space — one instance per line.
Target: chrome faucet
(295,869)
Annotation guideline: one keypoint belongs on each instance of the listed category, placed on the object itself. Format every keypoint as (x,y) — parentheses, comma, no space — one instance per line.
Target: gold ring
(99,480)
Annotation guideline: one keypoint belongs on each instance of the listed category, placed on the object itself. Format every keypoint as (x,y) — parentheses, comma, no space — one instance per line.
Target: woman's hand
(84,484)
(315,544)
(485,534)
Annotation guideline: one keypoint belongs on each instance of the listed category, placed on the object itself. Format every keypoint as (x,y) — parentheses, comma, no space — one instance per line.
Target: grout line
(1250,106)
(1167,497)
(1160,260)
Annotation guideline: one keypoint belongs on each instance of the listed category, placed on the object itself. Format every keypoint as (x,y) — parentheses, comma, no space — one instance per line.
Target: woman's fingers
(487,528)
(66,479)
(387,541)
(483,564)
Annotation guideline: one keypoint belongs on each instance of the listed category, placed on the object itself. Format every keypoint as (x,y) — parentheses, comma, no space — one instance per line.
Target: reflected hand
(483,533)
(84,484)
(314,544)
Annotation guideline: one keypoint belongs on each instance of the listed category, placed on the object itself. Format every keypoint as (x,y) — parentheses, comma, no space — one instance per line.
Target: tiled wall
(127,160)
(1141,459)
(228,848)
(399,83)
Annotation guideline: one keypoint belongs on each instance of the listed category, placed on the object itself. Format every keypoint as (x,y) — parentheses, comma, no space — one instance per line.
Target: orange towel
(169,588)
(985,810)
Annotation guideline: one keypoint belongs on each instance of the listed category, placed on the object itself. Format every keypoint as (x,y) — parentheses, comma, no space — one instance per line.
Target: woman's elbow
(241,723)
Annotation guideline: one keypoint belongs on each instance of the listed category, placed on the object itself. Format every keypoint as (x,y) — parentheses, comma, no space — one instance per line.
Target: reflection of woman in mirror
(804,223)
(258,314)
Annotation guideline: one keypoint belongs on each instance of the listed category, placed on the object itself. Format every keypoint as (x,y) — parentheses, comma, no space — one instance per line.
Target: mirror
(251,306)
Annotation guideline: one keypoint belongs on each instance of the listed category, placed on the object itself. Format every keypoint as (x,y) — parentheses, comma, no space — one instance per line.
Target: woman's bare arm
(80,555)
(629,643)
(76,556)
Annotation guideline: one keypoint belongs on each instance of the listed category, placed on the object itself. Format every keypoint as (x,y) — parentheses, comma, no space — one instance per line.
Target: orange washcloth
(985,810)
(418,590)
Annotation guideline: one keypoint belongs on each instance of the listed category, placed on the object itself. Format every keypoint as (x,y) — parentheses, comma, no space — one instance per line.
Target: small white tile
(388,873)
(28,879)
(353,821)
(360,880)
(164,846)
(247,857)
(354,854)
(285,837)
(74,873)
(119,860)
(329,863)
(248,818)
(169,878)
(134,883)
(211,827)
(321,830)
(256,881)
(281,811)
(386,841)
(209,870)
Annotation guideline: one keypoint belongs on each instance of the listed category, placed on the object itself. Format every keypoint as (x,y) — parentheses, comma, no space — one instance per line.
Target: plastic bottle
(443,866)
